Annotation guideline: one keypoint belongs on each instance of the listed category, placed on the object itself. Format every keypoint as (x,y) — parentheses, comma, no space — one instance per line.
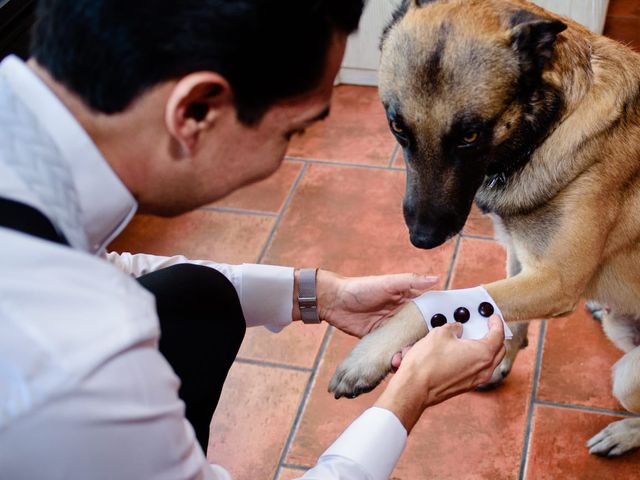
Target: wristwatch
(307,296)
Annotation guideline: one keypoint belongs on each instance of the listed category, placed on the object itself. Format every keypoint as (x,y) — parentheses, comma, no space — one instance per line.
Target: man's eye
(470,138)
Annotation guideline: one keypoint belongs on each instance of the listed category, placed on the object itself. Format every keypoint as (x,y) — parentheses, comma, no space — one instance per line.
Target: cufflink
(307,296)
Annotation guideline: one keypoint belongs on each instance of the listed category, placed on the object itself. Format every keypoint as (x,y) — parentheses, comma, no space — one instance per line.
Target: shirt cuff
(266,295)
(445,302)
(375,441)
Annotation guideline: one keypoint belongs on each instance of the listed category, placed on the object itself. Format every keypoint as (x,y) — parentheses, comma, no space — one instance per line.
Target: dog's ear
(533,38)
(398,14)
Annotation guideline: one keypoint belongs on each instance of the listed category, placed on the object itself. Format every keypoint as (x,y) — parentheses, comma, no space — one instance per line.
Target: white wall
(360,65)
(591,13)
(361,59)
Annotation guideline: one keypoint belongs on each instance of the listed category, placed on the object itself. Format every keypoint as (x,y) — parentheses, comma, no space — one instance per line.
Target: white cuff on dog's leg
(472,307)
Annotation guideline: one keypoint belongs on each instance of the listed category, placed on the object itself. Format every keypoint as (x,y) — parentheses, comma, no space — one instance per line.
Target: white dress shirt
(84,392)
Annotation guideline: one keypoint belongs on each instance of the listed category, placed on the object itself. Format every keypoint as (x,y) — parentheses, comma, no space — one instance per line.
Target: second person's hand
(440,366)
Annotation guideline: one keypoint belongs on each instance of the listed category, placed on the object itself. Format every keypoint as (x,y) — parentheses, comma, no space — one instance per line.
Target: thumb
(454,328)
(495,337)
(396,360)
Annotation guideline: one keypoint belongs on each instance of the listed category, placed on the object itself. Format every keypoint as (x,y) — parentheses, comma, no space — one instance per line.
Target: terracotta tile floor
(335,203)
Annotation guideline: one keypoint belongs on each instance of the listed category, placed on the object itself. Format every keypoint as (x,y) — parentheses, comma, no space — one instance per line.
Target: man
(166,106)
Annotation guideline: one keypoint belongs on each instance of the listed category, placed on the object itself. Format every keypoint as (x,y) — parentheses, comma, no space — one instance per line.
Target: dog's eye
(470,138)
(397,128)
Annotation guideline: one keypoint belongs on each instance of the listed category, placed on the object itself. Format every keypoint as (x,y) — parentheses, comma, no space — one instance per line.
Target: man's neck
(129,155)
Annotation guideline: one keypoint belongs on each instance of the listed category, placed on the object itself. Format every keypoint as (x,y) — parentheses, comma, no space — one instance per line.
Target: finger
(498,358)
(411,284)
(421,283)
(396,360)
(455,329)
(495,337)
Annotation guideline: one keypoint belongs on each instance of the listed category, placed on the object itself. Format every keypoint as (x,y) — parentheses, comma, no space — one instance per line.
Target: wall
(361,58)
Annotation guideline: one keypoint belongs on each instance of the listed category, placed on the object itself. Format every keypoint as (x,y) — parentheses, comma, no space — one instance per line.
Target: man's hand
(440,366)
(358,305)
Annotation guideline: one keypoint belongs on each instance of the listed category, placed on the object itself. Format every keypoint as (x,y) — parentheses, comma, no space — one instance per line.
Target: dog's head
(461,82)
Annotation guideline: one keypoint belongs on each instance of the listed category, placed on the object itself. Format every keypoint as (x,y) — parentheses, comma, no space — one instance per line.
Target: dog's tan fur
(570,218)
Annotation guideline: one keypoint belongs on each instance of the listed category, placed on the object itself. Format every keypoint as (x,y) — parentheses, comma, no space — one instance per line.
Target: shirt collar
(105,203)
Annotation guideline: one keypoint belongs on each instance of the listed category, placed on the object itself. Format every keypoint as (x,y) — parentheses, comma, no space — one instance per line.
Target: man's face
(233,154)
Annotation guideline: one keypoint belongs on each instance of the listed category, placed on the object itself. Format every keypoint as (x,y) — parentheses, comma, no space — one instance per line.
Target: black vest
(26,219)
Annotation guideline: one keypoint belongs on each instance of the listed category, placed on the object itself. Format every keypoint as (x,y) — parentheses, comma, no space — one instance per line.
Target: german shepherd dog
(537,119)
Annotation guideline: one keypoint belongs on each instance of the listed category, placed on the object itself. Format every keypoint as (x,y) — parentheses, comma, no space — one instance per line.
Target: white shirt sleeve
(367,450)
(265,291)
(371,446)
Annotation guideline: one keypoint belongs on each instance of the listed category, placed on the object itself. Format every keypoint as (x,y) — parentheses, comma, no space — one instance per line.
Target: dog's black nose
(426,241)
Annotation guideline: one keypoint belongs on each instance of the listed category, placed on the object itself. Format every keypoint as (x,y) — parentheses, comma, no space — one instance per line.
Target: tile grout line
(477,237)
(284,208)
(265,363)
(532,402)
(452,265)
(346,164)
(303,401)
(394,156)
(240,211)
(584,408)
(293,466)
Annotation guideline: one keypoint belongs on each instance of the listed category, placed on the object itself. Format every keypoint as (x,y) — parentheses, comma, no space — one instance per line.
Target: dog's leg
(370,361)
(624,435)
(519,329)
(548,285)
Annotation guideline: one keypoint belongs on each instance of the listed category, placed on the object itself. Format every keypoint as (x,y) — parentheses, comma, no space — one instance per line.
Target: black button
(485,309)
(461,315)
(438,320)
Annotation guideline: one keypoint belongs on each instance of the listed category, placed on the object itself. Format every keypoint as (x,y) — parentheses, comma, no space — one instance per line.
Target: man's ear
(533,38)
(194,105)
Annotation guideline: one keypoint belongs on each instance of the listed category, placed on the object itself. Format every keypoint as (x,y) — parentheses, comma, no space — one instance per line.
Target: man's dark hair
(110,51)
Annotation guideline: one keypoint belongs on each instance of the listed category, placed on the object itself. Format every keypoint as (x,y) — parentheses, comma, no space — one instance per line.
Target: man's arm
(265,291)
(436,368)
(269,294)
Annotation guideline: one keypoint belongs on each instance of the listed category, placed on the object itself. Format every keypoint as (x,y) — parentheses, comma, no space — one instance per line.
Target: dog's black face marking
(433,68)
(440,190)
(398,126)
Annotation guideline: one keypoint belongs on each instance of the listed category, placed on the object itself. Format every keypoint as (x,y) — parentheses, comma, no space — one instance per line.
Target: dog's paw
(499,374)
(359,373)
(616,438)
